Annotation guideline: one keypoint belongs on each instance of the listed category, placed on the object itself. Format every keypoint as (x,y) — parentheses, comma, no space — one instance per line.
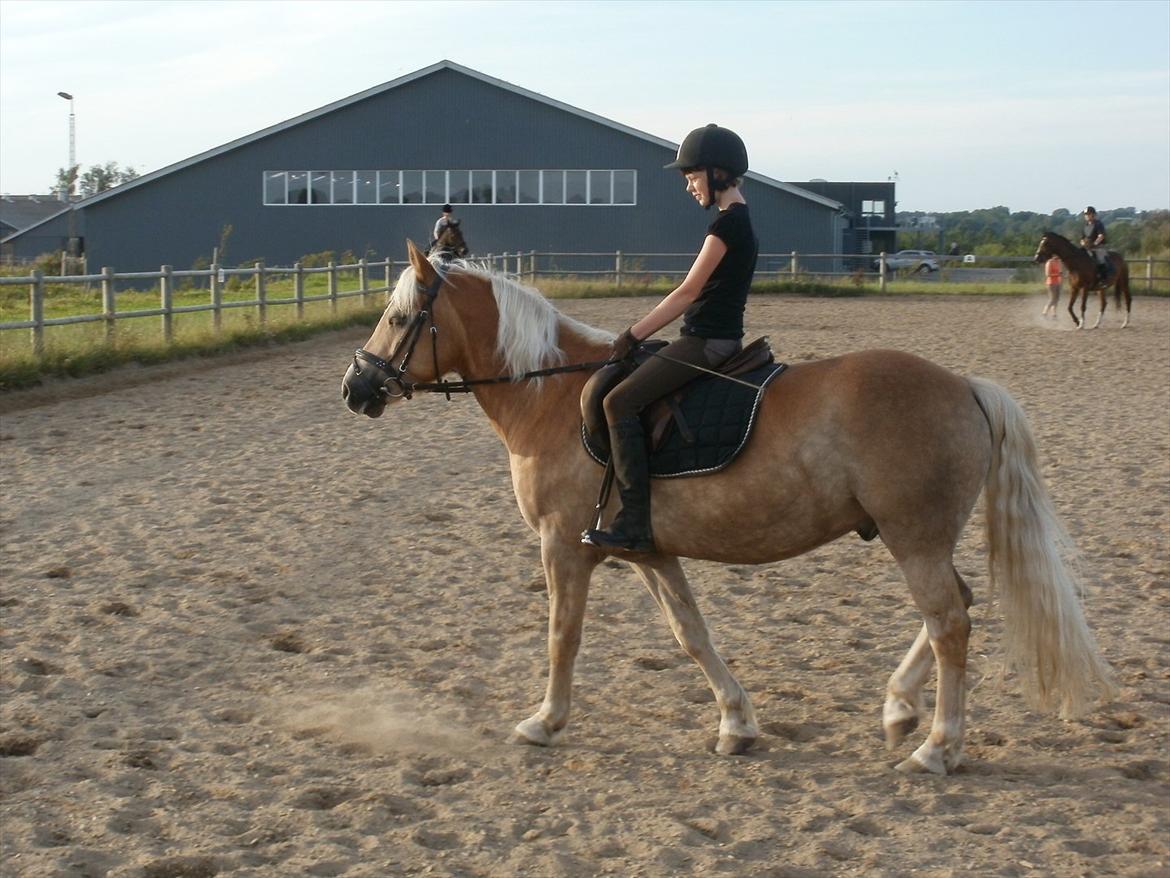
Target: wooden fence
(614,267)
(215,279)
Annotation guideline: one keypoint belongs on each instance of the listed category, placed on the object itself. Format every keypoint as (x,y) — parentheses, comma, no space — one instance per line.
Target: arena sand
(248,633)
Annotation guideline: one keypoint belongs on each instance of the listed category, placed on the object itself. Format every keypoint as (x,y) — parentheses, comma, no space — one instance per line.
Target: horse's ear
(453,222)
(424,272)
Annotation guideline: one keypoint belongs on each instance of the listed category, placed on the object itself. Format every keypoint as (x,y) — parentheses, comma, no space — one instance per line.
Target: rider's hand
(624,345)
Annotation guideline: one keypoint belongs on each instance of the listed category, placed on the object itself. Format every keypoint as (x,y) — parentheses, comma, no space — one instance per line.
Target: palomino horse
(875,438)
(1082,275)
(450,243)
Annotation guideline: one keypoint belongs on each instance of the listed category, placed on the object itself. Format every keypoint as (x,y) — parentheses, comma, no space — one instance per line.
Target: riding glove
(624,346)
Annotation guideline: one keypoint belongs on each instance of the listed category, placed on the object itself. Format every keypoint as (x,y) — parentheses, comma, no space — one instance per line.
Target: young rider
(711,302)
(1093,240)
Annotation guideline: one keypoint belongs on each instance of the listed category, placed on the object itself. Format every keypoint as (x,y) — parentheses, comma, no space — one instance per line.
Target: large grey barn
(524,172)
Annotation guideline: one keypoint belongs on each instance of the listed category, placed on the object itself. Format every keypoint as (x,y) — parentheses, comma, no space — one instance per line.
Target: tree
(97,179)
(66,179)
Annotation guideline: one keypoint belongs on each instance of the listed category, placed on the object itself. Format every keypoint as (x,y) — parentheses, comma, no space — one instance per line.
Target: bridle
(391,380)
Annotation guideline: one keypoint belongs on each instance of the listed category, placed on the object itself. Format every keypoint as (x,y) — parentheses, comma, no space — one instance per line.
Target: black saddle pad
(717,419)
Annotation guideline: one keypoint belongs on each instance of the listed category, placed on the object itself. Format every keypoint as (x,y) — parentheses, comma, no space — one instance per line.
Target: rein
(395,383)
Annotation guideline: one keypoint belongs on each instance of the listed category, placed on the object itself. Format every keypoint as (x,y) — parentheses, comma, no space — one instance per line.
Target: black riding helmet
(712,147)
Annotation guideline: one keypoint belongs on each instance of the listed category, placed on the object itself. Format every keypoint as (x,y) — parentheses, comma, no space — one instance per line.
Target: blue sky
(1034,106)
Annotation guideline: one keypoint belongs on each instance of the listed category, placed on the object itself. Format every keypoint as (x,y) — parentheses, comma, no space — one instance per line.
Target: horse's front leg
(1072,306)
(668,585)
(567,569)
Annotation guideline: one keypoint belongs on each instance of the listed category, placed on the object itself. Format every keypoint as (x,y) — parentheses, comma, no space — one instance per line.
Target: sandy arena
(248,633)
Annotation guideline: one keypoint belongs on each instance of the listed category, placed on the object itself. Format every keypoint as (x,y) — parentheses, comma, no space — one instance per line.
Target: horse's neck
(529,416)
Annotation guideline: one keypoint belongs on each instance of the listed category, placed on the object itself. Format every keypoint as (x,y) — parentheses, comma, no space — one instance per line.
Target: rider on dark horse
(1093,240)
(442,222)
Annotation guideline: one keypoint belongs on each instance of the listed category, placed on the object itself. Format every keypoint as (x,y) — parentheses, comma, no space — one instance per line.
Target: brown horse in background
(878,439)
(1082,275)
(450,243)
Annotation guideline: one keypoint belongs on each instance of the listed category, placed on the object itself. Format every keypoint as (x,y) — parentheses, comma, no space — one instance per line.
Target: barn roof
(404,80)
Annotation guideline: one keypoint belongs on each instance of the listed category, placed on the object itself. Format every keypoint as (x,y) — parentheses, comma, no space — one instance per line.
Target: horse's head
(1044,249)
(403,350)
(450,244)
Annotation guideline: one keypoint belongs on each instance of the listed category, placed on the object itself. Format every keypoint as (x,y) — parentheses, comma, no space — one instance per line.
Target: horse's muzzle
(361,388)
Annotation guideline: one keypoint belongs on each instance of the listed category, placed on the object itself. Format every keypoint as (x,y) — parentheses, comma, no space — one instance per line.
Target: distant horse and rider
(449,244)
(1084,275)
(878,442)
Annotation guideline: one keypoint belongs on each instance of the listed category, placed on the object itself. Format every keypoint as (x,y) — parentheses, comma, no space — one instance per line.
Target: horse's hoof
(911,765)
(734,745)
(533,731)
(897,731)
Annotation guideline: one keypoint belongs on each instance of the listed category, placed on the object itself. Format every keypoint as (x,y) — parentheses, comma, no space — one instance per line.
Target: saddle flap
(677,420)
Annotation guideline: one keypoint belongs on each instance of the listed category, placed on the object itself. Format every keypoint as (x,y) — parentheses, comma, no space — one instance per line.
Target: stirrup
(615,542)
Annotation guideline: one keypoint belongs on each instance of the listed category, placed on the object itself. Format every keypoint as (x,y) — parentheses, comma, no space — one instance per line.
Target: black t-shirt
(718,312)
(1092,230)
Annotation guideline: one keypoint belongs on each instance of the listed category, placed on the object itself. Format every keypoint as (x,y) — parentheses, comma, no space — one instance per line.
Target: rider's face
(698,187)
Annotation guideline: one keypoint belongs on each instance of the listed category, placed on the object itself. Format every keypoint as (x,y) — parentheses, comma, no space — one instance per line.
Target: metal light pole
(71,245)
(72,142)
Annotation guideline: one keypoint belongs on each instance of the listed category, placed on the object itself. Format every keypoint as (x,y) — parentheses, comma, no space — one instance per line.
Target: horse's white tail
(1046,638)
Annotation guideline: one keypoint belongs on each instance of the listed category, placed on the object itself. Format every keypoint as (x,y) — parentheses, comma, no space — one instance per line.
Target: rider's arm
(674,304)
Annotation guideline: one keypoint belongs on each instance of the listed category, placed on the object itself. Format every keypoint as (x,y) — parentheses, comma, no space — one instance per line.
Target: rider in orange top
(1053,275)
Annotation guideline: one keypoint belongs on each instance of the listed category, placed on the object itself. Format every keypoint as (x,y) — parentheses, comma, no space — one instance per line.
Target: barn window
(343,187)
(623,187)
(481,187)
(553,187)
(389,187)
(298,187)
(412,187)
(458,187)
(275,187)
(873,208)
(435,188)
(576,187)
(366,187)
(505,187)
(528,184)
(601,187)
(319,187)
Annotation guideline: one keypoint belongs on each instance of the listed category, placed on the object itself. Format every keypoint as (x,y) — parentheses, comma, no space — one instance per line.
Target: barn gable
(435,134)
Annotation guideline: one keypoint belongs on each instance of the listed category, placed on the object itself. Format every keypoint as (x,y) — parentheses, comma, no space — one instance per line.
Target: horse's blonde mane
(530,327)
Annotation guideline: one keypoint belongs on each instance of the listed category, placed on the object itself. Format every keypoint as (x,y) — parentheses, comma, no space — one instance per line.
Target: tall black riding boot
(630,529)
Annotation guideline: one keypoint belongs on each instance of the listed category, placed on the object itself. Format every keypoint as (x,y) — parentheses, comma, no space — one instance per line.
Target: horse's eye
(397,320)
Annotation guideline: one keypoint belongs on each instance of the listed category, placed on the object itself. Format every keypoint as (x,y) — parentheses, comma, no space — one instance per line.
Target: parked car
(919,261)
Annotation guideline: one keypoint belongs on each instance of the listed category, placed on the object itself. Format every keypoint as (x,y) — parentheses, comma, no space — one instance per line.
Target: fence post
(109,303)
(389,276)
(363,279)
(617,268)
(261,294)
(882,271)
(36,307)
(216,298)
(332,288)
(793,266)
(166,285)
(299,289)
(1149,274)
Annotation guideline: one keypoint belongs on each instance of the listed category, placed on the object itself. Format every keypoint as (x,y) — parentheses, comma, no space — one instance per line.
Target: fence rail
(617,268)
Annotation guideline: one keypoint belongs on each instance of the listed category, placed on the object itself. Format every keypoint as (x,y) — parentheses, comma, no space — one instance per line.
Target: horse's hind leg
(934,587)
(1101,313)
(668,585)
(900,712)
